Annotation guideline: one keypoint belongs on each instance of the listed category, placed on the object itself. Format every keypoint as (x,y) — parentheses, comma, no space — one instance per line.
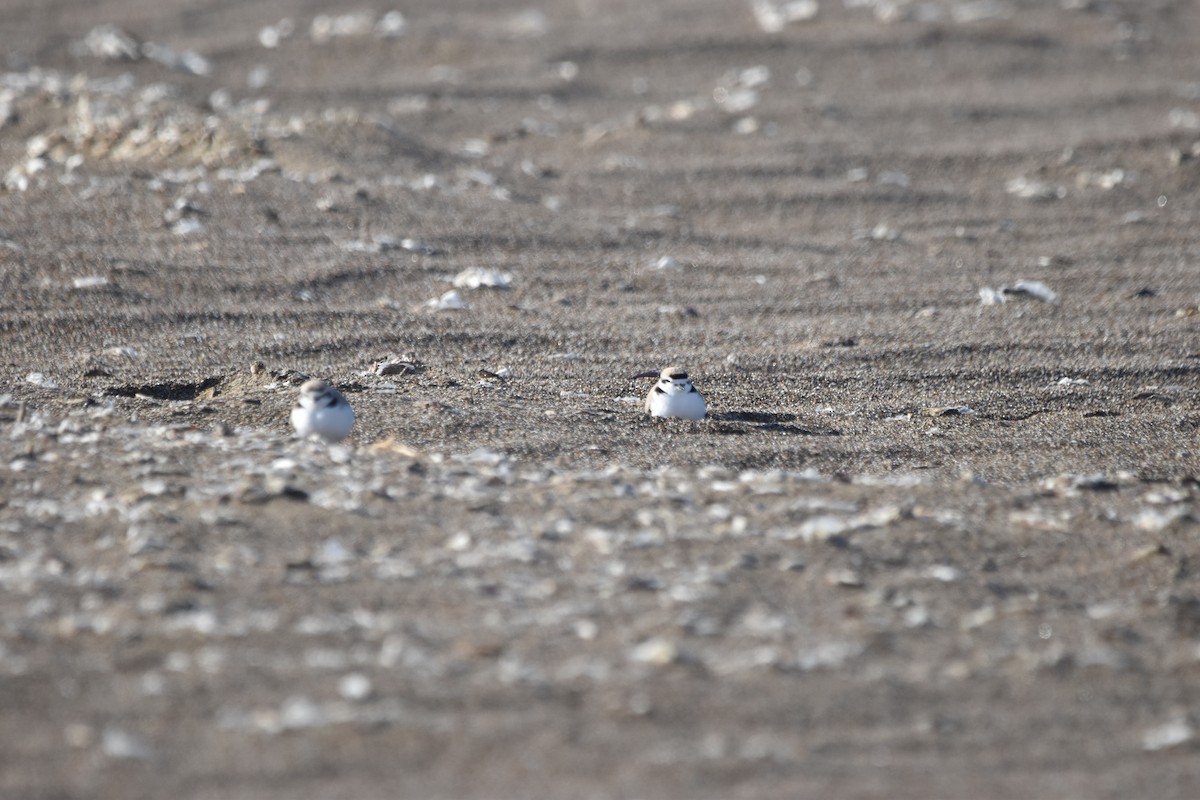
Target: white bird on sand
(322,411)
(675,396)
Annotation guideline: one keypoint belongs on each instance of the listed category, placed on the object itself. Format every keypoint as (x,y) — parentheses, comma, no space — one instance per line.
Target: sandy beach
(933,265)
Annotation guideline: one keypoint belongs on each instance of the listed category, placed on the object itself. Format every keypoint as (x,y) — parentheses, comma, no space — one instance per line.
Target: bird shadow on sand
(735,423)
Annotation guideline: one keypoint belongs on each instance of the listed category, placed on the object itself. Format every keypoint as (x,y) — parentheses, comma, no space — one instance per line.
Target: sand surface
(923,546)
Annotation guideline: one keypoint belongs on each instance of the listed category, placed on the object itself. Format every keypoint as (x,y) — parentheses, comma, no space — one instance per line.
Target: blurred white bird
(675,396)
(322,411)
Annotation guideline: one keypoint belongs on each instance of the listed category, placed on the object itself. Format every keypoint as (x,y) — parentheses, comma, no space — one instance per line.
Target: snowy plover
(674,396)
(322,411)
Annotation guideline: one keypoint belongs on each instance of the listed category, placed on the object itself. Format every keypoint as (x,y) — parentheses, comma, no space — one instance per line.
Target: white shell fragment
(271,35)
(944,573)
(1169,734)
(395,366)
(880,233)
(356,23)
(482,278)
(111,43)
(384,243)
(891,177)
(948,411)
(1033,189)
(119,744)
(187,227)
(325,27)
(450,301)
(1035,289)
(992,297)
(418,247)
(391,25)
(774,15)
(1022,288)
(355,686)
(186,61)
(657,651)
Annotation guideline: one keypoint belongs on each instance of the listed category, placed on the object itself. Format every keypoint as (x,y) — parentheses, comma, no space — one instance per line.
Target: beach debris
(531,23)
(325,27)
(775,15)
(355,686)
(270,36)
(667,263)
(391,25)
(1184,118)
(945,573)
(947,411)
(482,278)
(737,90)
(258,76)
(1033,189)
(1180,156)
(657,651)
(120,744)
(418,247)
(450,301)
(1155,519)
(1169,734)
(187,227)
(298,713)
(746,126)
(1071,485)
(110,43)
(332,553)
(89,282)
(188,62)
(992,297)
(1035,289)
(880,233)
(1109,179)
(182,208)
(383,243)
(1022,288)
(390,445)
(827,655)
(394,365)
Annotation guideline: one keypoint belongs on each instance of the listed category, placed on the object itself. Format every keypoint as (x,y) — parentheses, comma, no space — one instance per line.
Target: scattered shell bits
(450,301)
(482,278)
